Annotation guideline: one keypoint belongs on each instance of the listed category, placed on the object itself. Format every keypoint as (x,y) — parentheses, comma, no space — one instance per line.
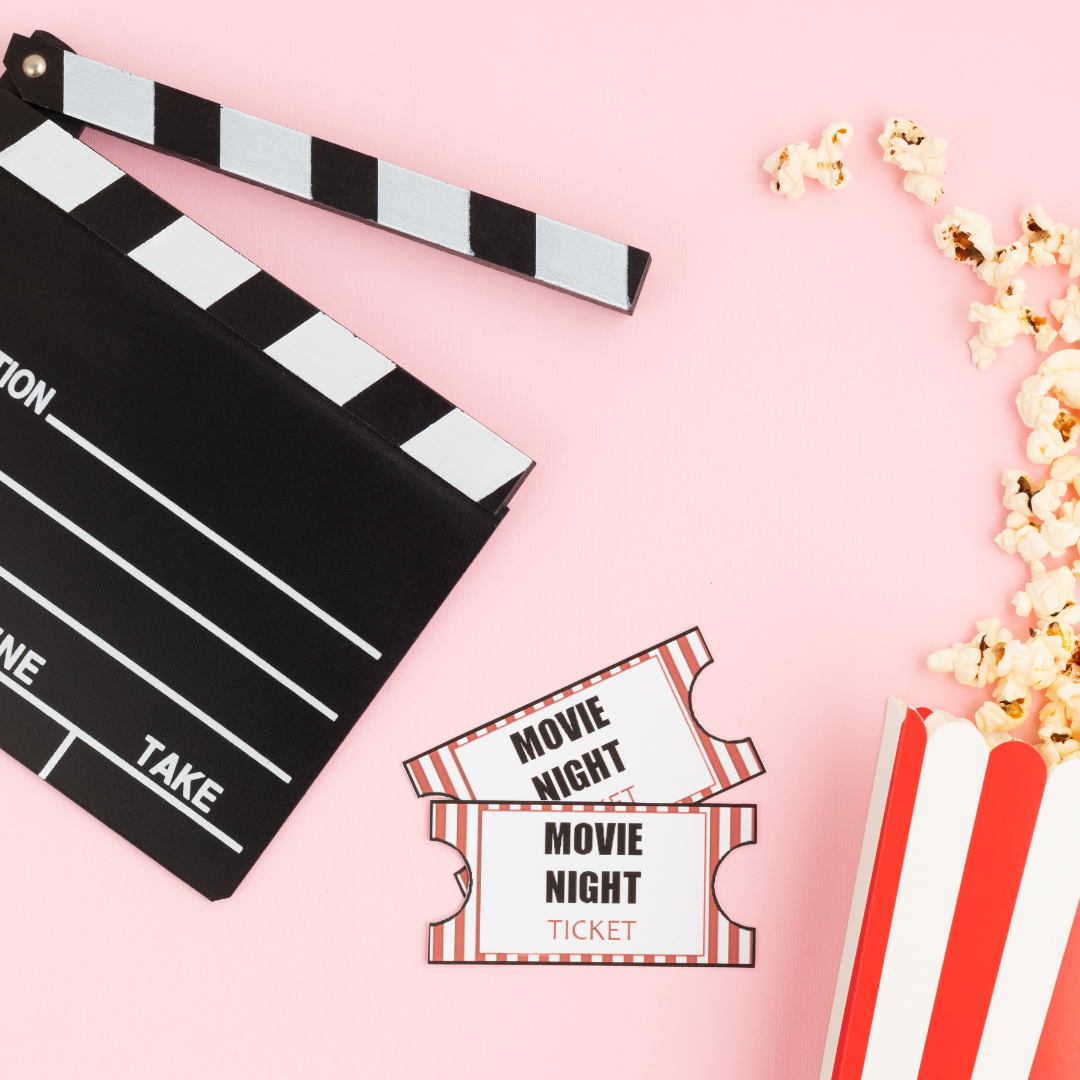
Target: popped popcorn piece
(1064,366)
(1047,498)
(1002,715)
(1067,312)
(1036,407)
(1042,234)
(1069,251)
(1025,665)
(964,236)
(922,159)
(1000,270)
(1050,594)
(1001,322)
(1059,743)
(790,164)
(974,663)
(829,165)
(786,167)
(1059,535)
(1066,467)
(996,738)
(1027,542)
(1030,498)
(1047,443)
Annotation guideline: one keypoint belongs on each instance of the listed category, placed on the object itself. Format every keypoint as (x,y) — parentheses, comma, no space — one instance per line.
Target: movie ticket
(591,883)
(626,734)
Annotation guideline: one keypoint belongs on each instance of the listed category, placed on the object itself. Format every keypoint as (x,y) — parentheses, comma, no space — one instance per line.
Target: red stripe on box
(1004,823)
(1058,1055)
(881,900)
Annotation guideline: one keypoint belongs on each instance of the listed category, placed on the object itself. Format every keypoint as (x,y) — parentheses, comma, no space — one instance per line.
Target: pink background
(786,445)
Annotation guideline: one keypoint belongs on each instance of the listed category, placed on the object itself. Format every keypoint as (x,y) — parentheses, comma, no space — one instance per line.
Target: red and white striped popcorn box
(965,896)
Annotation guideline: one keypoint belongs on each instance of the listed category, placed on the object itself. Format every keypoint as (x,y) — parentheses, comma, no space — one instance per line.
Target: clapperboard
(224,518)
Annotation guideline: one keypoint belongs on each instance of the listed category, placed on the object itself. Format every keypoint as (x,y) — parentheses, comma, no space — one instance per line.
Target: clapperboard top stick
(336,178)
(225,518)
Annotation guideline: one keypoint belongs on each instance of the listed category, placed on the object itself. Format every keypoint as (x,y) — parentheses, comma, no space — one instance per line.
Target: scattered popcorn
(1046,498)
(1042,234)
(1064,367)
(1066,467)
(1027,664)
(790,164)
(1037,408)
(1000,270)
(829,165)
(974,663)
(1069,252)
(1024,496)
(1040,524)
(1047,443)
(922,159)
(1051,594)
(1002,321)
(965,237)
(1059,534)
(1067,312)
(1058,740)
(786,167)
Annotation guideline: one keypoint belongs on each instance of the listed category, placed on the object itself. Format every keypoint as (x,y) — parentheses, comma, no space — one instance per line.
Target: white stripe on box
(426,208)
(945,805)
(895,711)
(697,647)
(109,98)
(1038,934)
(330,358)
(265,152)
(581,262)
(64,170)
(194,262)
(464,453)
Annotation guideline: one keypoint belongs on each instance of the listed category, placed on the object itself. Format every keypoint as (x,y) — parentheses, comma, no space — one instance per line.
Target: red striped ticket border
(460,825)
(730,761)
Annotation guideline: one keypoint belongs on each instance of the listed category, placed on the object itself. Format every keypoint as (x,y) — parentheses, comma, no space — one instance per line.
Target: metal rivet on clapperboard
(34,66)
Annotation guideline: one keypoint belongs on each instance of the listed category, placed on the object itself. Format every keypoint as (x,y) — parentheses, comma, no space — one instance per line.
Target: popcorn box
(966,892)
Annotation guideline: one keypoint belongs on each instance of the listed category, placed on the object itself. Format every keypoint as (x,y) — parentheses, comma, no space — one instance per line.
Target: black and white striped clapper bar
(346,181)
(223,518)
